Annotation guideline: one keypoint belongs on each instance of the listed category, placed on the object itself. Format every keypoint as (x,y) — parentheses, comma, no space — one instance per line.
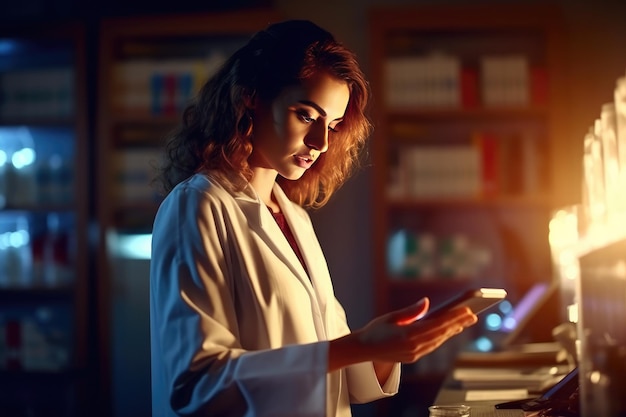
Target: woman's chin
(294,176)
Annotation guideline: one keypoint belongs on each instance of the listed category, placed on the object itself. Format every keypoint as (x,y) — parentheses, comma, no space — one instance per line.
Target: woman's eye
(335,127)
(305,117)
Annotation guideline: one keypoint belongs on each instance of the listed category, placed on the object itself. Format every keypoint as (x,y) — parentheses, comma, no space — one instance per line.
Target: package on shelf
(132,173)
(411,255)
(55,179)
(17,167)
(15,251)
(423,255)
(441,171)
(458,257)
(53,247)
(532,164)
(160,87)
(489,148)
(539,85)
(131,85)
(427,81)
(35,339)
(488,163)
(172,83)
(36,167)
(469,88)
(21,179)
(37,93)
(511,162)
(504,80)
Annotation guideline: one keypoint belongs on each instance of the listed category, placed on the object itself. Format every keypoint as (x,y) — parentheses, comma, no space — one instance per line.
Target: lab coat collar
(261,221)
(317,281)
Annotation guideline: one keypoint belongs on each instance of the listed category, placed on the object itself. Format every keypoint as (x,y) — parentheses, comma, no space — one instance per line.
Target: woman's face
(293,130)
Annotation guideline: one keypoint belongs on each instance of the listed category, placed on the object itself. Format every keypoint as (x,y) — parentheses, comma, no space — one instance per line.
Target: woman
(244,321)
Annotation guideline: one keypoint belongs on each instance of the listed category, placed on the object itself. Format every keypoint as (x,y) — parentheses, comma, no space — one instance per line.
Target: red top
(282,223)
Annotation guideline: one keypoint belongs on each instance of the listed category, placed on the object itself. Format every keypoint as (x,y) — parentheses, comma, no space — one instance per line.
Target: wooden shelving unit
(468,124)
(150,67)
(44,204)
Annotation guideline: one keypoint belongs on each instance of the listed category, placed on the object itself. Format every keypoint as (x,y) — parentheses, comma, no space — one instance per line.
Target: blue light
(23,158)
(505,307)
(8,46)
(4,240)
(493,322)
(131,246)
(509,323)
(483,344)
(396,251)
(19,238)
(17,146)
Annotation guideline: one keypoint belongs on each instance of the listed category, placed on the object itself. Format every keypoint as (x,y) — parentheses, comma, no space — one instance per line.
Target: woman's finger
(411,313)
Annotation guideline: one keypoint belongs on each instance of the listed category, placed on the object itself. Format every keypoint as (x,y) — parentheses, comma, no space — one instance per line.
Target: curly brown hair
(216,131)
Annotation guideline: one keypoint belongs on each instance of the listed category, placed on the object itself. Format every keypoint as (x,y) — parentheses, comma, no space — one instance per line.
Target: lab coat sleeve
(198,364)
(363,384)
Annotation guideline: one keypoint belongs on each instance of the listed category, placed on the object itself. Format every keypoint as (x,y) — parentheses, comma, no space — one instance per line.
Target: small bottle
(15,252)
(23,177)
(55,252)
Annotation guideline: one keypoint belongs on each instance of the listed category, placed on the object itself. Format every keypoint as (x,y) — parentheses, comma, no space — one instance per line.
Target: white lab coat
(238,328)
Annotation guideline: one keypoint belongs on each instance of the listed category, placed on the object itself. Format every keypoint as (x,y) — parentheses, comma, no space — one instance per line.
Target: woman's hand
(399,336)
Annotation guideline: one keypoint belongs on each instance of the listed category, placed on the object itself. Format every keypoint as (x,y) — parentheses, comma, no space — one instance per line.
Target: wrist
(345,351)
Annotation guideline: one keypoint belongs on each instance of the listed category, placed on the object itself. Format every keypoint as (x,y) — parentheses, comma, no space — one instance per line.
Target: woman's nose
(318,138)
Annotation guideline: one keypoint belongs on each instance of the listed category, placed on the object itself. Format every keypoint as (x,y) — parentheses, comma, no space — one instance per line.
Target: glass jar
(449,410)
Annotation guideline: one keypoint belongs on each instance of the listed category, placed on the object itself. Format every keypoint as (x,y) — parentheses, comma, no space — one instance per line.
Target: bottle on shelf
(15,252)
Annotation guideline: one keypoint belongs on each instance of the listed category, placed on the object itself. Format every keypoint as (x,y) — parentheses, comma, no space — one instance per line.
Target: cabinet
(150,68)
(468,122)
(44,202)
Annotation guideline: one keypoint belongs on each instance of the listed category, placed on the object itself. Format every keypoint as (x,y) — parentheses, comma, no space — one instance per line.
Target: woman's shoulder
(197,191)
(202,185)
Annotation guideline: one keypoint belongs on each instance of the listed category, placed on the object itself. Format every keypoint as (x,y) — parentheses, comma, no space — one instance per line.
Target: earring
(250,126)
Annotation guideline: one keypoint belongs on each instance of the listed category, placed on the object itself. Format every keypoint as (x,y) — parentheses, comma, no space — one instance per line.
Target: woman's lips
(304,161)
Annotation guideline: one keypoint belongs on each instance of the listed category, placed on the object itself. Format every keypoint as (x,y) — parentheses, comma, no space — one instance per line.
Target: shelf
(36,294)
(144,119)
(39,122)
(39,208)
(45,190)
(465,114)
(478,202)
(26,376)
(463,161)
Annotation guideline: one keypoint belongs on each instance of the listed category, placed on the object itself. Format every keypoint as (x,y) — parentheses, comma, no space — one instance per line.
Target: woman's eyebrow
(314,105)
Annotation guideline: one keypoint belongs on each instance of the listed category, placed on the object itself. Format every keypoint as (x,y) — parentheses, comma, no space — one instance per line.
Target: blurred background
(482,110)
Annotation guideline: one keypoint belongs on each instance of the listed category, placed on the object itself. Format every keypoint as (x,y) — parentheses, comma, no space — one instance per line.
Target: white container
(15,252)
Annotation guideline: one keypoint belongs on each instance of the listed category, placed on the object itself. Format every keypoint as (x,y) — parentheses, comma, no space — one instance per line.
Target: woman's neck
(263,182)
